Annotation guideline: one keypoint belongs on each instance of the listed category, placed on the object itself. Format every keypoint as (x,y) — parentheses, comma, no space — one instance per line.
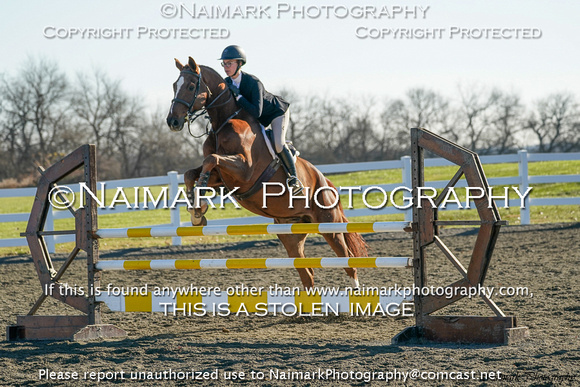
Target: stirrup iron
(297,187)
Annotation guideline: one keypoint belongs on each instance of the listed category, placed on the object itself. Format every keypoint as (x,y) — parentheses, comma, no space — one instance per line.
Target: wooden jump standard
(499,329)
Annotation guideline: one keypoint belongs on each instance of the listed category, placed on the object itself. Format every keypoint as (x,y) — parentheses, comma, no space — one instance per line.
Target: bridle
(192,115)
(197,87)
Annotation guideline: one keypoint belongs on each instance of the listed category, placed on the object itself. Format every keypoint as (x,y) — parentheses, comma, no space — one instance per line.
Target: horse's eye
(190,88)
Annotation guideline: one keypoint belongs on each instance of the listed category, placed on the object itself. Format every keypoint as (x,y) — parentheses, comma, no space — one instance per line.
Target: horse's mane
(211,70)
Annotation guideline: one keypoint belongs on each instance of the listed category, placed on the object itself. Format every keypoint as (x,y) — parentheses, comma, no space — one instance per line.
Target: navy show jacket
(257,101)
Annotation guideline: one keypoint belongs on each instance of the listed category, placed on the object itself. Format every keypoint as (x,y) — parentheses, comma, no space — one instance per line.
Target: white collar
(238,80)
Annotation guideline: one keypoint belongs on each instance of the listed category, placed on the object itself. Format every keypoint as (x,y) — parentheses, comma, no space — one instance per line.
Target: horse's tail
(357,246)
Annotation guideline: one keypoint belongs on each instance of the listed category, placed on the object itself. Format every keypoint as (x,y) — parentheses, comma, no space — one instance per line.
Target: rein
(226,121)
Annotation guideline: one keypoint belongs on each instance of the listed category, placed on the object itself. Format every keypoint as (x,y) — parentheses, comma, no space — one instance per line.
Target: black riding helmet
(234,52)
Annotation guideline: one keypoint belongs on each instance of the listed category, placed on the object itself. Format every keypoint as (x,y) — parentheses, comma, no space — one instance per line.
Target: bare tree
(475,115)
(426,109)
(42,117)
(115,121)
(358,137)
(164,150)
(315,126)
(422,108)
(554,123)
(88,100)
(33,114)
(506,121)
(574,137)
(395,130)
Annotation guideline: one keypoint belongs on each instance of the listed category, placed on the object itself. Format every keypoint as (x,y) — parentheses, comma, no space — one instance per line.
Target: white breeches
(279,126)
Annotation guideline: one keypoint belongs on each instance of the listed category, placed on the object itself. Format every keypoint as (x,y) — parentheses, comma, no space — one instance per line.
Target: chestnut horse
(236,155)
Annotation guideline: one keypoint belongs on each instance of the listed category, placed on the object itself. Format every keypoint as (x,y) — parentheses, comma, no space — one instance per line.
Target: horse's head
(190,94)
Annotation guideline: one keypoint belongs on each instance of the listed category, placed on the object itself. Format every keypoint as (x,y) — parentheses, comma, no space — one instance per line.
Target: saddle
(269,137)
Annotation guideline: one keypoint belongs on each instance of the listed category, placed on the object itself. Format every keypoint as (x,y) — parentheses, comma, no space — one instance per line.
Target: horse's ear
(193,65)
(178,64)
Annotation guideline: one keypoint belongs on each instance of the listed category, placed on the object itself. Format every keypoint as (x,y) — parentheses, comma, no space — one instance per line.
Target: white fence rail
(172,180)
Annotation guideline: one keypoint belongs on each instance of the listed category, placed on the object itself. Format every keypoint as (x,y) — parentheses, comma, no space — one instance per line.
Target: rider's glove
(234,89)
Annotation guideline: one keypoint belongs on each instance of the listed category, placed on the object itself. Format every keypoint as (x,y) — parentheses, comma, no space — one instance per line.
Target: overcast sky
(327,51)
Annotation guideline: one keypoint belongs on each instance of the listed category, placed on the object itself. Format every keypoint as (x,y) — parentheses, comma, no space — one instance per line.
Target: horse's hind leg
(338,244)
(294,244)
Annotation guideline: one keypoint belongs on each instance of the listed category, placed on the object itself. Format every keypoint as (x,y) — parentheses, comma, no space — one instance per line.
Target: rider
(268,108)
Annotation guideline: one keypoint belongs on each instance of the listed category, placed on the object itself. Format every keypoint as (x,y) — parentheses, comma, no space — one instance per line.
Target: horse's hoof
(198,221)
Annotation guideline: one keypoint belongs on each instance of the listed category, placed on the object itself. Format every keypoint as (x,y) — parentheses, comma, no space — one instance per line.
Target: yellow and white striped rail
(261,303)
(253,229)
(254,263)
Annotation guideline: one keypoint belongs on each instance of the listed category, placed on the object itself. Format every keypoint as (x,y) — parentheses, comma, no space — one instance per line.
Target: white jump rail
(263,303)
(254,263)
(254,229)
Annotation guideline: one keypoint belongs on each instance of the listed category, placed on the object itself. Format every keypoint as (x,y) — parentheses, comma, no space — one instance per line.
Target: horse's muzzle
(175,124)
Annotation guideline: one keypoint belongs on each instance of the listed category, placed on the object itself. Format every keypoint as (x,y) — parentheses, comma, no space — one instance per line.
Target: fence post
(175,219)
(524,183)
(407,182)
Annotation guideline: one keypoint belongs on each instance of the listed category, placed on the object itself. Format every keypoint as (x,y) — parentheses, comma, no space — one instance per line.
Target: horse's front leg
(206,176)
(190,178)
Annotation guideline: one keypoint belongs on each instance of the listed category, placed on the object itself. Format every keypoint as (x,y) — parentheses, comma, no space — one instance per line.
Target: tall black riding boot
(292,182)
